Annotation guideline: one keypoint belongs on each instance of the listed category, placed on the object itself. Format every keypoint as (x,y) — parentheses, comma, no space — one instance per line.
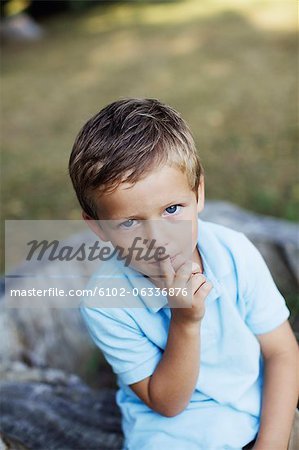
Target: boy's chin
(152,269)
(146,269)
(149,270)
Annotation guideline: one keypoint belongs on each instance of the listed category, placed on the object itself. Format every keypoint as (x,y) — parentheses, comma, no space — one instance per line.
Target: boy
(219,372)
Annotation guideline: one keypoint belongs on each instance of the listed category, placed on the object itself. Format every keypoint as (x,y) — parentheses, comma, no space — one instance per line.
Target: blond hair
(124,142)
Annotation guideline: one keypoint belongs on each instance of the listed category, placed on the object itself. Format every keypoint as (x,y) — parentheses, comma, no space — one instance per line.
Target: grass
(227,66)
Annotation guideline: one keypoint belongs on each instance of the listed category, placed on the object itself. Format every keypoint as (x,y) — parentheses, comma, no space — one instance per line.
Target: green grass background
(228,66)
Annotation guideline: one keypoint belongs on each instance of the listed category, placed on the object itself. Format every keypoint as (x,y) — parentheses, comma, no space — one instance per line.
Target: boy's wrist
(192,327)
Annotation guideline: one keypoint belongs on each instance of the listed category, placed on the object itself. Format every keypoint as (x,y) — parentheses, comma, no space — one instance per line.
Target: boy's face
(155,208)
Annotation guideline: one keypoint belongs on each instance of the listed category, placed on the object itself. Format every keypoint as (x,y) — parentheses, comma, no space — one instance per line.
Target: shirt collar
(215,263)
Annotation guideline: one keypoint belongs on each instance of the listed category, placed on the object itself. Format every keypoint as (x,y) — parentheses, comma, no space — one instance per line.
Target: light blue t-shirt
(224,410)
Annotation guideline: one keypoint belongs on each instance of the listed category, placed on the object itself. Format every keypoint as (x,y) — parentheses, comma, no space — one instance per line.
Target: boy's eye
(173,209)
(127,224)
(130,223)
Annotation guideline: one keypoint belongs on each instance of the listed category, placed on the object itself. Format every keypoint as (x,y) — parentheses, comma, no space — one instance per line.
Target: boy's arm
(169,389)
(281,387)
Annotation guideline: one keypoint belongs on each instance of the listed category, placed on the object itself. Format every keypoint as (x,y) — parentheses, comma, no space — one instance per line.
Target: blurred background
(228,66)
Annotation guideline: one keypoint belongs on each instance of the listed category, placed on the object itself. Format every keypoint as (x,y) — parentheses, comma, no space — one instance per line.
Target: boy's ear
(95,226)
(201,194)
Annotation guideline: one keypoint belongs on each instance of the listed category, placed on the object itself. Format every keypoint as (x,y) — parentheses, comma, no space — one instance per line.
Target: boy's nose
(156,235)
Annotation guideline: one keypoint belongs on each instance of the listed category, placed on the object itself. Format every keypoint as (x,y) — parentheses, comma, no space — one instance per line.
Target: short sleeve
(265,307)
(130,353)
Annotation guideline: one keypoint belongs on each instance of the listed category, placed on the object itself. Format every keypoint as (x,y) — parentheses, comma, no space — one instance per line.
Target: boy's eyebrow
(134,216)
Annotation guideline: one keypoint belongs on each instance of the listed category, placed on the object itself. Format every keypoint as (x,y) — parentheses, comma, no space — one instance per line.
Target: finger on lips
(167,270)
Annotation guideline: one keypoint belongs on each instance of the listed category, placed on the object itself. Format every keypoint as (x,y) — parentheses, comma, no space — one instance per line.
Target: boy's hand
(189,278)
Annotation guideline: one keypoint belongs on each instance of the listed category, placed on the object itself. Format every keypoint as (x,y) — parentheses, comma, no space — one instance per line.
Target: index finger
(167,272)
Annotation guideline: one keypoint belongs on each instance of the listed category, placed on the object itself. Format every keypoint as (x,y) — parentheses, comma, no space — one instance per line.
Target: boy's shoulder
(222,232)
(232,254)
(229,252)
(220,240)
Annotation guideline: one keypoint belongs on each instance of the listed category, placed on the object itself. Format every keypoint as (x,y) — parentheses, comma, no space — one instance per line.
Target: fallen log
(49,409)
